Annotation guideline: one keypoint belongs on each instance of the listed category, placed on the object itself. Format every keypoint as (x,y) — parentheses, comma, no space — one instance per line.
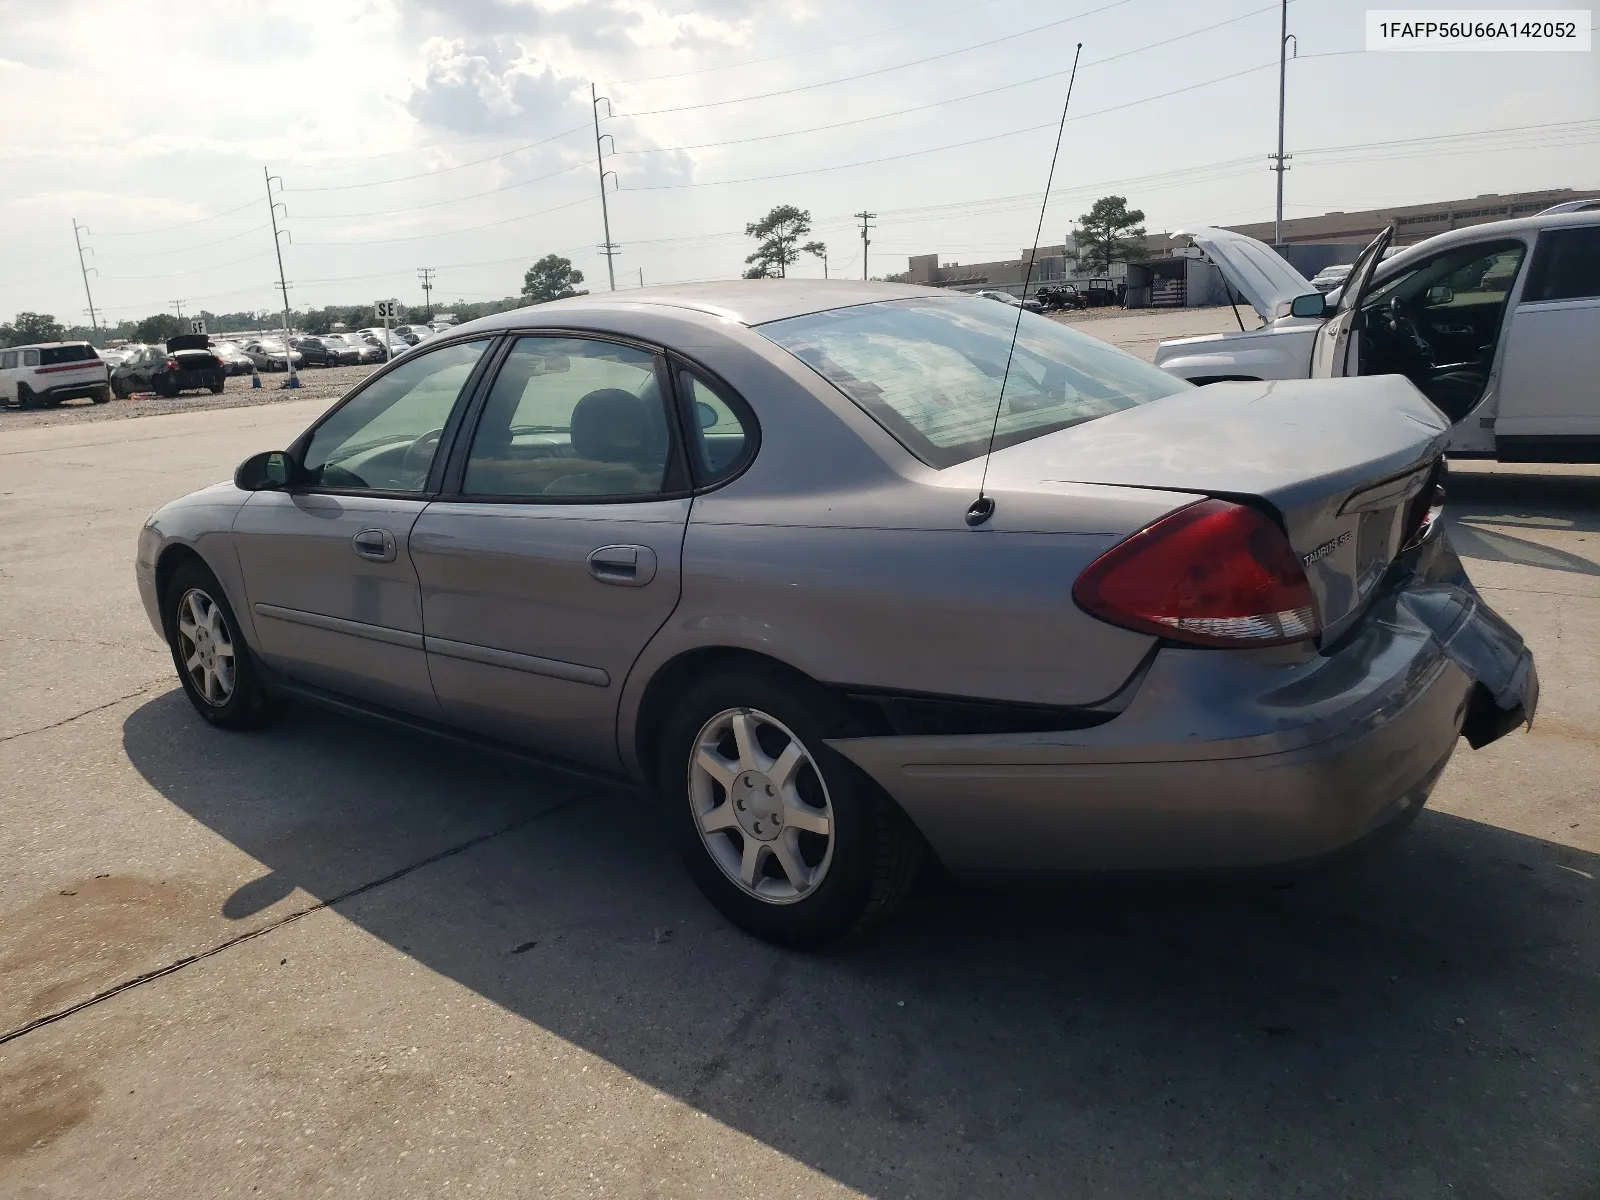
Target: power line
(751,62)
(808,87)
(1004,87)
(181,224)
(232,237)
(344,187)
(390,212)
(447,232)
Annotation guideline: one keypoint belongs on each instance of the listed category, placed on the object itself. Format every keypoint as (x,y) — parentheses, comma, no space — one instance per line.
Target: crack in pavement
(86,712)
(190,959)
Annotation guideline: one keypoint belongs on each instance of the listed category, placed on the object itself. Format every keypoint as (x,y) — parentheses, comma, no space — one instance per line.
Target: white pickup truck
(1497,324)
(46,374)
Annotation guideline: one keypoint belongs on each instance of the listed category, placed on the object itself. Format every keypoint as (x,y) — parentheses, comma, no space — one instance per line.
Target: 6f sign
(385,310)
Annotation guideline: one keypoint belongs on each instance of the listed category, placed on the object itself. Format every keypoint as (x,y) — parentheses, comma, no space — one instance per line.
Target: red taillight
(174,365)
(1212,574)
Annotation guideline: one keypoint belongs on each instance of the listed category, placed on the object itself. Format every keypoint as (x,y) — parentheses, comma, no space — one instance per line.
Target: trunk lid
(1255,270)
(1342,464)
(188,341)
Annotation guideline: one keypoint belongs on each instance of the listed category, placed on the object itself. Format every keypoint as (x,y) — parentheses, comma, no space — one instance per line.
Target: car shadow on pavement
(1419,1023)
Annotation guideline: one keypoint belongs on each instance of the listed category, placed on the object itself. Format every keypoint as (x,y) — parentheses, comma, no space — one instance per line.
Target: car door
(1336,348)
(327,564)
(1550,378)
(557,558)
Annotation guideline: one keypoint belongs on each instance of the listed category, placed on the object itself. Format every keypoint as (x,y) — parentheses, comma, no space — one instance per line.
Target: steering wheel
(1403,326)
(419,454)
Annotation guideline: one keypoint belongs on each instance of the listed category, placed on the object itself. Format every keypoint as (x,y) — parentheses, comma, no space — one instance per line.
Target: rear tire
(218,388)
(852,875)
(25,397)
(102,396)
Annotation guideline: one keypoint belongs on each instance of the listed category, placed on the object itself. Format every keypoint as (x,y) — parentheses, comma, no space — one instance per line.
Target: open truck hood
(1253,269)
(1340,461)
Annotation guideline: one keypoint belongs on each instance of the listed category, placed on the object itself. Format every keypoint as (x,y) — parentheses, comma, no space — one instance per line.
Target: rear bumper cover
(1224,761)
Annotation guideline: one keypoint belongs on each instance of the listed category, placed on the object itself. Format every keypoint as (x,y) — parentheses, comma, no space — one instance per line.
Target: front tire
(217,388)
(103,396)
(212,659)
(787,839)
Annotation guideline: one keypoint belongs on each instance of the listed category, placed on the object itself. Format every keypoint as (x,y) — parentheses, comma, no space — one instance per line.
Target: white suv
(50,372)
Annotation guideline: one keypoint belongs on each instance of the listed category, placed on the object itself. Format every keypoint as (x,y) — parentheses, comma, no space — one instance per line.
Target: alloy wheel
(760,805)
(206,647)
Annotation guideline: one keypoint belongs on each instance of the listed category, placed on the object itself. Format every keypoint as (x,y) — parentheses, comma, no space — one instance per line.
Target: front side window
(385,438)
(929,371)
(30,358)
(1460,277)
(570,417)
(1566,265)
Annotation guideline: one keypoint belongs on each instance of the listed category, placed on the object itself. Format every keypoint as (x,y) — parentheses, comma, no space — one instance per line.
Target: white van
(1497,324)
(48,373)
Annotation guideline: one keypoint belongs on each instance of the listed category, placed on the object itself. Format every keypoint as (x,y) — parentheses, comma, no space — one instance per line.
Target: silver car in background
(714,539)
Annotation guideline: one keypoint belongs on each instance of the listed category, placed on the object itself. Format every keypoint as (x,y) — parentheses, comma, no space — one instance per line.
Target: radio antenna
(983,507)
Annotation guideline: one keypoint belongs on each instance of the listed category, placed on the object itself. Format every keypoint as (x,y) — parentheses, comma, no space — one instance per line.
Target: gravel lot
(317,384)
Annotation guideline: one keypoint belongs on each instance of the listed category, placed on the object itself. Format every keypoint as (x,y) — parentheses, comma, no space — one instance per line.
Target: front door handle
(375,545)
(624,566)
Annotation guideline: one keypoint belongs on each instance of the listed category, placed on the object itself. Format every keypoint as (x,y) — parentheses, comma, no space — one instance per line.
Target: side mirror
(264,472)
(1313,305)
(1440,294)
(706,415)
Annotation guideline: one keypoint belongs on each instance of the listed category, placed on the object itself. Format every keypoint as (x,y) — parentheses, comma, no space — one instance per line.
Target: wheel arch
(677,672)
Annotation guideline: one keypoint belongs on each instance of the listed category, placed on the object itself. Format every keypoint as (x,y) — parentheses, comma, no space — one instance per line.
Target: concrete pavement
(341,961)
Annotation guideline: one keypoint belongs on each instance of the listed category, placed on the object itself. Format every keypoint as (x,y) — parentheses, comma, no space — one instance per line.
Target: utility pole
(177,306)
(1280,160)
(866,219)
(641,276)
(283,284)
(608,248)
(78,230)
(426,275)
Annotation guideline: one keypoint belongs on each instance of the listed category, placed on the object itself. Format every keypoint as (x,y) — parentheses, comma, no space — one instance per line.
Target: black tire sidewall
(840,900)
(248,701)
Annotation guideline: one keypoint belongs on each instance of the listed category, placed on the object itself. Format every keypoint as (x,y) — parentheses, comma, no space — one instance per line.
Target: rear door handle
(624,566)
(376,545)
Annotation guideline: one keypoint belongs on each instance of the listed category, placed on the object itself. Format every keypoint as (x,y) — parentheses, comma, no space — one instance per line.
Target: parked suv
(51,372)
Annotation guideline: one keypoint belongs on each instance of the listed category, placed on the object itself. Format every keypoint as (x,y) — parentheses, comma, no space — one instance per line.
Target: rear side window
(30,358)
(1566,265)
(66,354)
(720,438)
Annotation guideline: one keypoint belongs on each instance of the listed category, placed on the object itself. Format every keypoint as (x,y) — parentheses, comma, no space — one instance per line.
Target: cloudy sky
(456,134)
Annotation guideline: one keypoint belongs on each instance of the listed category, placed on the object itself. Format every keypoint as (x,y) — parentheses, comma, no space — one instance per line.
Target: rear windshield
(929,371)
(66,354)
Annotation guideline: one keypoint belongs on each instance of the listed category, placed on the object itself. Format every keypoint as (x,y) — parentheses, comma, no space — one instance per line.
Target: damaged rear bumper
(1227,761)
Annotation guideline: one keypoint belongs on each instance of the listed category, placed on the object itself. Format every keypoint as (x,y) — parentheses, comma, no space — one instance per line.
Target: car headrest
(611,425)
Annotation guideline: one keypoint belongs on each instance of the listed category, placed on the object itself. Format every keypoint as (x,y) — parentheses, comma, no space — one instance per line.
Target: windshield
(929,371)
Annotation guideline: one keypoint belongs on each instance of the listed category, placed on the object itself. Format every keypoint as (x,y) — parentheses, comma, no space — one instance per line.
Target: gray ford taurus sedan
(715,539)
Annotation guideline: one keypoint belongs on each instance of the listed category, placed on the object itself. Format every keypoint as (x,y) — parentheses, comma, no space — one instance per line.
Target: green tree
(159,327)
(778,237)
(817,250)
(1109,232)
(31,327)
(551,278)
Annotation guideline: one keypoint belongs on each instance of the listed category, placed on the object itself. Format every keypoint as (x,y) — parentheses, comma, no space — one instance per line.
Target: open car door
(1336,351)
